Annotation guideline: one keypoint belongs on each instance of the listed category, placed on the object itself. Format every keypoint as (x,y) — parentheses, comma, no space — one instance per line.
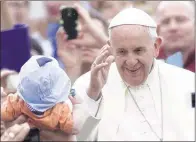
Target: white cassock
(163,110)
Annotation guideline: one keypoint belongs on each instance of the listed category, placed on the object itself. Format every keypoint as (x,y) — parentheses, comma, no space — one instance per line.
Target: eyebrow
(140,47)
(135,48)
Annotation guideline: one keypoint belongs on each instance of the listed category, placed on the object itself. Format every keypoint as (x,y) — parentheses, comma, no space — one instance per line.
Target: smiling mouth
(133,70)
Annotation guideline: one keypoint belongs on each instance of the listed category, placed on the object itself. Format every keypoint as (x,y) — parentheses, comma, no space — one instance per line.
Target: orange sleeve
(11,108)
(66,120)
(58,117)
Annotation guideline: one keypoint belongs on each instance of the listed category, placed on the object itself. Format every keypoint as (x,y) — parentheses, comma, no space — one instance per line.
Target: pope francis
(131,96)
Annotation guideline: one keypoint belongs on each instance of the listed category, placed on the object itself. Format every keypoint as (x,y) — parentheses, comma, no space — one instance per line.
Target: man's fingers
(109,60)
(14,130)
(60,32)
(83,13)
(20,136)
(105,70)
(105,47)
(104,73)
(61,35)
(21,119)
(100,58)
(98,67)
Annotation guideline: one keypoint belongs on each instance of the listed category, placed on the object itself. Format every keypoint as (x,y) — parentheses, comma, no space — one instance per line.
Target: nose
(131,61)
(173,26)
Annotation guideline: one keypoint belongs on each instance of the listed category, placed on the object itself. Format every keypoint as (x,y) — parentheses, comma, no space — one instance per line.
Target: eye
(138,51)
(121,51)
(180,19)
(165,21)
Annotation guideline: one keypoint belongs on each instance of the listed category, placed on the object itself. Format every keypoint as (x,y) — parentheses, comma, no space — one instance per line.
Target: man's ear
(157,45)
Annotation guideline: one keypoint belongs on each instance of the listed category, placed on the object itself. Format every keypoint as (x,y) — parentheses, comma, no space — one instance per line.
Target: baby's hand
(74,100)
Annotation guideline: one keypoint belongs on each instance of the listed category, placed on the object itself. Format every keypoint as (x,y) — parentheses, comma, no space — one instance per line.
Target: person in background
(16,12)
(38,24)
(53,10)
(78,54)
(175,21)
(21,13)
(109,9)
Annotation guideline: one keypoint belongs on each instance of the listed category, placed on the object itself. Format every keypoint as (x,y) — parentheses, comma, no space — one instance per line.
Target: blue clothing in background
(52,30)
(175,59)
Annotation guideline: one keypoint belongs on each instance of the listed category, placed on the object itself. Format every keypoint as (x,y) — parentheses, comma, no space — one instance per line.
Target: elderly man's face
(176,26)
(134,52)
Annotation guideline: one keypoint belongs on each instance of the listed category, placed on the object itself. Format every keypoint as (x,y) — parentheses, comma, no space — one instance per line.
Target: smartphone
(33,136)
(69,19)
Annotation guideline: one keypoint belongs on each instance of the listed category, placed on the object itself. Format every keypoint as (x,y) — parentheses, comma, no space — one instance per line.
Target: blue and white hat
(43,83)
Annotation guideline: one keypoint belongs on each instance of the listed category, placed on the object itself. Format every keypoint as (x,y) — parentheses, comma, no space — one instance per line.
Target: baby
(42,95)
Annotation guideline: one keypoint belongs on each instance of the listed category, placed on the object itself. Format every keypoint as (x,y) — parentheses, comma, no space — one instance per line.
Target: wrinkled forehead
(125,31)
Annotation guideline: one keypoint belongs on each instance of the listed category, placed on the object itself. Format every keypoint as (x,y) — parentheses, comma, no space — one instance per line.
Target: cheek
(188,30)
(146,63)
(163,31)
(120,60)
(119,63)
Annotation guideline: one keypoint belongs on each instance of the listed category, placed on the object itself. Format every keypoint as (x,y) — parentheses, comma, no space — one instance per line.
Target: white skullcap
(132,16)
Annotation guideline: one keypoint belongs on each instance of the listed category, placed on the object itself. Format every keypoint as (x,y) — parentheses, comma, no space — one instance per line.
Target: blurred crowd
(47,37)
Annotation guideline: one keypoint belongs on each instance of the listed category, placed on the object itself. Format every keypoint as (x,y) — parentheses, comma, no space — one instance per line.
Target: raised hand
(68,53)
(16,132)
(99,72)
(91,26)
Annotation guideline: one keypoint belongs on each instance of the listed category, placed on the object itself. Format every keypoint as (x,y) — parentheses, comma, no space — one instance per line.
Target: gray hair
(151,31)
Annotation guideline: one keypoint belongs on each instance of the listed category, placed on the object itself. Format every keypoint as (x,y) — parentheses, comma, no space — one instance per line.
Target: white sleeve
(80,87)
(88,113)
